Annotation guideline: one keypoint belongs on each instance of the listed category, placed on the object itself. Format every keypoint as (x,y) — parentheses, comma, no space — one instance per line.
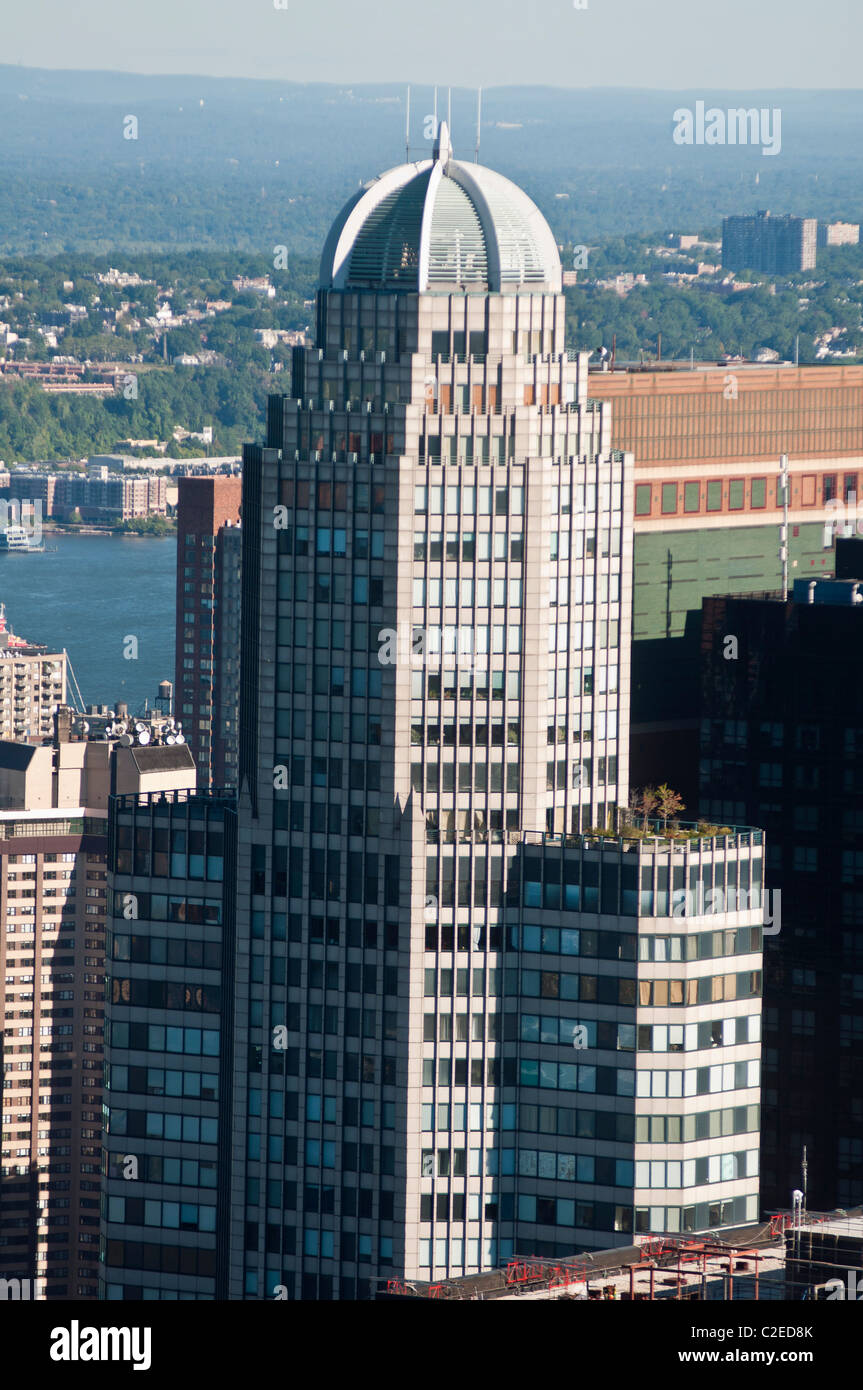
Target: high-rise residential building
(113,497)
(205,688)
(774,245)
(32,685)
(53,849)
(29,485)
(97,496)
(458,1013)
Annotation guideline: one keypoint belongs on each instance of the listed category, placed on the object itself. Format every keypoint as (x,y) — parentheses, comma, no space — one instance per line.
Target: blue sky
(751,45)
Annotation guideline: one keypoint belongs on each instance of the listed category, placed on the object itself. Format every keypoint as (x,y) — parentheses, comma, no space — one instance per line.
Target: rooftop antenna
(478,120)
(797,1200)
(408,128)
(804,1170)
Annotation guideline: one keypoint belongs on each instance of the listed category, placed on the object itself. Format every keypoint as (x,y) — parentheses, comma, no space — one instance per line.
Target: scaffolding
(685,1263)
(749,1263)
(677,1267)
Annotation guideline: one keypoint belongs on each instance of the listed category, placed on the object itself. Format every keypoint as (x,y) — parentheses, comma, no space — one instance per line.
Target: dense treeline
(230,395)
(216,162)
(710,322)
(35,425)
(110,212)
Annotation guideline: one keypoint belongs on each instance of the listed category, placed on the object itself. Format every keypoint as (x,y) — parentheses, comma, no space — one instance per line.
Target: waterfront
(88,593)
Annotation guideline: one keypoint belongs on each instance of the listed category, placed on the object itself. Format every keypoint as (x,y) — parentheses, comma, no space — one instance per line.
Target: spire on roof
(442,146)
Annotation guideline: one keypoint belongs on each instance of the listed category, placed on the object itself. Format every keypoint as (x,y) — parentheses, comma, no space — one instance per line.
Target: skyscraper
(437,587)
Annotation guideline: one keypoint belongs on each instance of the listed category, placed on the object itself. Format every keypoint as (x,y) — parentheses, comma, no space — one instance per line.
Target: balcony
(656,839)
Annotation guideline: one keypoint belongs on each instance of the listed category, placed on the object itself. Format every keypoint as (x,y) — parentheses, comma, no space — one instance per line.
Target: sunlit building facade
(437,586)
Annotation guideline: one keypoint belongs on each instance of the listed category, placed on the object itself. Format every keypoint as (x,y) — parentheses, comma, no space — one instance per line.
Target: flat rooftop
(684,365)
(839,1226)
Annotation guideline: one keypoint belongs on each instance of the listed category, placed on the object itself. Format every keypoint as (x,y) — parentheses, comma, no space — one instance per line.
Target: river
(90,594)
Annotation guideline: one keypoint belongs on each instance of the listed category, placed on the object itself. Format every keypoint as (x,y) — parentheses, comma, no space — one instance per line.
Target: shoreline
(105,531)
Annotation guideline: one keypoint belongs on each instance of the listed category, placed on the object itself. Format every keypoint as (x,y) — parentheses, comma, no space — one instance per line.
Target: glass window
(642,500)
(691,497)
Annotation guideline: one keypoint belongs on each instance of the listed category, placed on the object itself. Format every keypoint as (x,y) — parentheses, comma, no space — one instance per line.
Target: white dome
(441,226)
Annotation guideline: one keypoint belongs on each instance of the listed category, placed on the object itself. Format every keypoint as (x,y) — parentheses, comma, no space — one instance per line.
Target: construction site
(792,1257)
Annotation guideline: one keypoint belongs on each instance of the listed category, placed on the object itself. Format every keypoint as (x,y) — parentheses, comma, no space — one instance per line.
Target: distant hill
(236,163)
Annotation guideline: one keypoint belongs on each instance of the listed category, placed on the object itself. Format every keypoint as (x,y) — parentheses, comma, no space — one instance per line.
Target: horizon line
(400,82)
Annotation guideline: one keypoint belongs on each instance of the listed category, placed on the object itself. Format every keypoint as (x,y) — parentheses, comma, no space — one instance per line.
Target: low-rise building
(256,284)
(838,233)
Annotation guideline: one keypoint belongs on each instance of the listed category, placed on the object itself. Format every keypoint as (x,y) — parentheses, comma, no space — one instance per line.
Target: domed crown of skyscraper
(441,227)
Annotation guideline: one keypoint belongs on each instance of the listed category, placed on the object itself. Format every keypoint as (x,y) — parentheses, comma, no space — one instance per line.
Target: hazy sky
(682,44)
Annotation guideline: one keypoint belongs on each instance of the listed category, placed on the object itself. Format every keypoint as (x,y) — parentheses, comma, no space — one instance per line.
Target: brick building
(207,606)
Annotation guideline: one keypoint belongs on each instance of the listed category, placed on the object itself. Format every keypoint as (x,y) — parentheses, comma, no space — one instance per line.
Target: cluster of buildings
(410,1110)
(54,798)
(391,987)
(254,284)
(622,284)
(67,374)
(99,495)
(760,729)
(171,468)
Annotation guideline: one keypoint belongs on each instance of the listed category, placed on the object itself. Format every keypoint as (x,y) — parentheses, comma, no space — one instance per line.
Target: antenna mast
(797,1200)
(804,1169)
(783,530)
(408,128)
(478,122)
